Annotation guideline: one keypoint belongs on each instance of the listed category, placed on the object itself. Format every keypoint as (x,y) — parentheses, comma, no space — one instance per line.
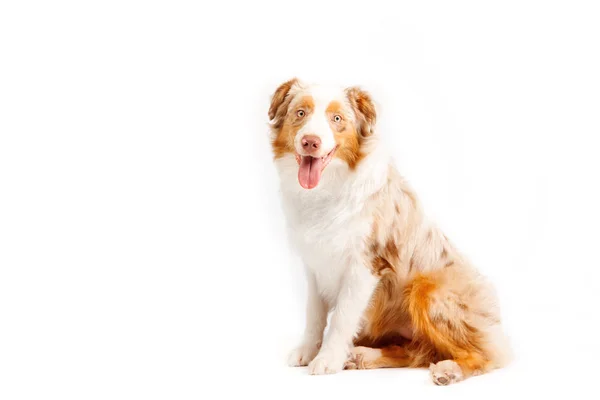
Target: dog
(399,293)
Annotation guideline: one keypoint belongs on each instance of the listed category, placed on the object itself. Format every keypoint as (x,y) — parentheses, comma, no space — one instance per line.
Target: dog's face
(316,124)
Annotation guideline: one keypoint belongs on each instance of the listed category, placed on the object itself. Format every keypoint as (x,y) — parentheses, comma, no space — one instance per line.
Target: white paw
(327,363)
(445,373)
(303,354)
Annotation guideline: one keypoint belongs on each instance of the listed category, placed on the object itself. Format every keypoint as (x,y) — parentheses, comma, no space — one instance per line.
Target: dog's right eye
(300,113)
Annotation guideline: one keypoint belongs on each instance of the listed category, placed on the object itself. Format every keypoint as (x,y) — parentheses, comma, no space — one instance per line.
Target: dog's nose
(311,143)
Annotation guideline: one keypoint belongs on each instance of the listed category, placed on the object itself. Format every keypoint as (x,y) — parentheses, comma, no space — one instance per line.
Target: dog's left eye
(337,118)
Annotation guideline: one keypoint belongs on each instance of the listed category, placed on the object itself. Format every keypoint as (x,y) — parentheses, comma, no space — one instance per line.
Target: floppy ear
(364,109)
(279,103)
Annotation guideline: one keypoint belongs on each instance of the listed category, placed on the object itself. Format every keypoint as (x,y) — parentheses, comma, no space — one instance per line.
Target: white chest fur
(328,225)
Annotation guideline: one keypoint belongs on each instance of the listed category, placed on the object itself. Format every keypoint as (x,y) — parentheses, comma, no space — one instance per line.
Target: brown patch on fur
(391,248)
(307,104)
(346,136)
(380,266)
(349,149)
(283,141)
(383,255)
(395,356)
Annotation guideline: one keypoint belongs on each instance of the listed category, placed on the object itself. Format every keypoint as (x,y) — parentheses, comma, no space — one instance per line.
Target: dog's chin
(310,168)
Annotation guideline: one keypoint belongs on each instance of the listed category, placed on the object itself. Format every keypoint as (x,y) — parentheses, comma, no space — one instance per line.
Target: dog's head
(317,124)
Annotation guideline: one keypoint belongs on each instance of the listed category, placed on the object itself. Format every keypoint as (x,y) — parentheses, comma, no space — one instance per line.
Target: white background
(142,249)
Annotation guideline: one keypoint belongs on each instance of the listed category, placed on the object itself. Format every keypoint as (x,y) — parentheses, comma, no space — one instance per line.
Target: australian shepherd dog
(399,293)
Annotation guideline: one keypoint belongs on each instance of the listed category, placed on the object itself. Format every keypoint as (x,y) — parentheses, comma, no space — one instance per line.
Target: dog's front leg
(316,319)
(355,292)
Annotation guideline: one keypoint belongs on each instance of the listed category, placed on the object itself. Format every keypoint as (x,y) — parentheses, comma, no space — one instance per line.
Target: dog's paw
(445,373)
(362,358)
(303,354)
(326,363)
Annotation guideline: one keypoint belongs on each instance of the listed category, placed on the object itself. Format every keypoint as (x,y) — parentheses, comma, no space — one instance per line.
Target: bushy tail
(437,318)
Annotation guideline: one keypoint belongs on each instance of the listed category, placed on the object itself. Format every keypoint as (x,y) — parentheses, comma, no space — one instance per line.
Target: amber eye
(300,113)
(337,118)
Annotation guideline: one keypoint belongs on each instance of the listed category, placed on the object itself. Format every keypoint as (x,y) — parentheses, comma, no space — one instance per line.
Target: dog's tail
(439,318)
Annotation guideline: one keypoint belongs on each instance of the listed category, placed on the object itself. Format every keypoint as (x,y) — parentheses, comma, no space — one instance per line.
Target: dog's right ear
(279,103)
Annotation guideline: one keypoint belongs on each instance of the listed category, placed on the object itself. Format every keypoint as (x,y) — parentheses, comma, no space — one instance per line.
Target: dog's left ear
(364,109)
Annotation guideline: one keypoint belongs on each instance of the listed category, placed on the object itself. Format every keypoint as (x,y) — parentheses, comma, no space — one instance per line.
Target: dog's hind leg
(385,357)
(456,313)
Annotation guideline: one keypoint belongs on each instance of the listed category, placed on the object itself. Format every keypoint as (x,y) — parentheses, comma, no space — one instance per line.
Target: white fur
(327,226)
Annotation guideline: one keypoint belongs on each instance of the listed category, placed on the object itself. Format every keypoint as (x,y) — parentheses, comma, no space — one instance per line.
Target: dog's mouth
(309,173)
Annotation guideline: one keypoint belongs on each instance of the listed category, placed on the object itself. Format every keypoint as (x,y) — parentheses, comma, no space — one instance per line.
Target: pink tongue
(309,173)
